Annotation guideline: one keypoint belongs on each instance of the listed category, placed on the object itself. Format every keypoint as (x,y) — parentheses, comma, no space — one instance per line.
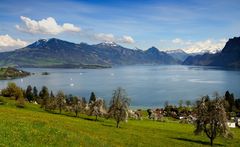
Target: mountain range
(228,57)
(59,53)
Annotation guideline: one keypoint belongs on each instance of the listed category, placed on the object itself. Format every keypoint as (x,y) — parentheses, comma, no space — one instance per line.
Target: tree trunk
(60,110)
(96,118)
(211,141)
(117,124)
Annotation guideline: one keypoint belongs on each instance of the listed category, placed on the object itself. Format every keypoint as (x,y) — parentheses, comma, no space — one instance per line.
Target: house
(231,124)
(237,121)
(181,117)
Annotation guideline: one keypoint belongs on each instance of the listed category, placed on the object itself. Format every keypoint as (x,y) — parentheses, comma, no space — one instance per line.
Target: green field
(31,126)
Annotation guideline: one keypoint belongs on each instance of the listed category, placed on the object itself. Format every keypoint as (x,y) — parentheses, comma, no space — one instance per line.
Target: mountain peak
(232,45)
(108,43)
(153,50)
(42,40)
(55,40)
(39,43)
(46,42)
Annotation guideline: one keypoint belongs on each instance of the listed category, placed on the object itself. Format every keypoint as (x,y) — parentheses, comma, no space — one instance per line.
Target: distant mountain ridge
(228,57)
(178,54)
(63,54)
(59,53)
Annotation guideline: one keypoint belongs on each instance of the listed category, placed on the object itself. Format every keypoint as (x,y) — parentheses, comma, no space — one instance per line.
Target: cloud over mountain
(45,26)
(127,39)
(112,38)
(104,37)
(7,43)
(199,46)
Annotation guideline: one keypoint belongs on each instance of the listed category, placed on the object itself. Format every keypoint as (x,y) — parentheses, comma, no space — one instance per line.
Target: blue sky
(192,25)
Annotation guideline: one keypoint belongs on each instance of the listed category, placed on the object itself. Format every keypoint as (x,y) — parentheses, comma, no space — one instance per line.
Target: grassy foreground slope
(32,126)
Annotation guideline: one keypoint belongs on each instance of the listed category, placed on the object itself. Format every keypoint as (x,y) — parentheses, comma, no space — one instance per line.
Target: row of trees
(211,116)
(231,105)
(47,100)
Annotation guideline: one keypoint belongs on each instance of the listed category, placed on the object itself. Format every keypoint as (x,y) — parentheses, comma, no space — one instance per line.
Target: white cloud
(45,26)
(70,27)
(181,42)
(112,38)
(206,45)
(105,37)
(200,46)
(8,43)
(127,39)
(177,41)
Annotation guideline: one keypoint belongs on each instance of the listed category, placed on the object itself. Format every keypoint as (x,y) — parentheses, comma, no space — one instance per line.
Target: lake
(147,86)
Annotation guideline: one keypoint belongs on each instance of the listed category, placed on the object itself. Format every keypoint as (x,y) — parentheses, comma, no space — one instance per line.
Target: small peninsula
(12,73)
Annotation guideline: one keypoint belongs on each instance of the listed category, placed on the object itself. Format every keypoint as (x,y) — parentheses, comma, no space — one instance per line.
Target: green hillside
(32,126)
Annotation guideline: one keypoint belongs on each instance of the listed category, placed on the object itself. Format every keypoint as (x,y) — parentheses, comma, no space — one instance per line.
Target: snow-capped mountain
(108,43)
(59,53)
(178,54)
(206,51)
(229,56)
(175,51)
(39,43)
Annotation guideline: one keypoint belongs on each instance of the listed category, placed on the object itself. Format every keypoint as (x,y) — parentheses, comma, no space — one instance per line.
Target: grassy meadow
(32,126)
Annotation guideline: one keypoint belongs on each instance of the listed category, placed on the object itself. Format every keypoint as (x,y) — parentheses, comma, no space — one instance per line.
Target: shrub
(12,90)
(2,101)
(20,102)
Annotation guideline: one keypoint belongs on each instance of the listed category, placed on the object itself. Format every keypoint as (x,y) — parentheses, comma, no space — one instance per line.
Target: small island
(12,73)
(45,73)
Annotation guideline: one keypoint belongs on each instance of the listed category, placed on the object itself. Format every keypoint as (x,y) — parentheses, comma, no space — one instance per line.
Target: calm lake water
(148,86)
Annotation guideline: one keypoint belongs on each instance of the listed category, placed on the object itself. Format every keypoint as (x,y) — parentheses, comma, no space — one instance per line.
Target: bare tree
(51,104)
(211,118)
(119,105)
(60,97)
(77,105)
(96,108)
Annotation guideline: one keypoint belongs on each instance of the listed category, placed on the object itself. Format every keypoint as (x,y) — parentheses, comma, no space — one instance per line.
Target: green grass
(31,126)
